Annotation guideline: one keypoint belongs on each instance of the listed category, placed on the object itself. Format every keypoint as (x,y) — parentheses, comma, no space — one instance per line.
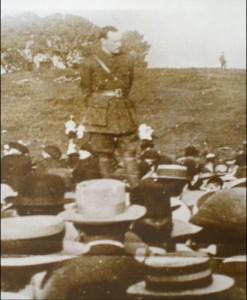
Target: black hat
(40,192)
(53,151)
(150,154)
(191,150)
(87,169)
(86,146)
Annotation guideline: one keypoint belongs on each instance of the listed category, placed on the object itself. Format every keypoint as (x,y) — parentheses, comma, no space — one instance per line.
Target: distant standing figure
(222,61)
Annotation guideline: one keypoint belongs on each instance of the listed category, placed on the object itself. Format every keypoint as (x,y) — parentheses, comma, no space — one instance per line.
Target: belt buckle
(118,93)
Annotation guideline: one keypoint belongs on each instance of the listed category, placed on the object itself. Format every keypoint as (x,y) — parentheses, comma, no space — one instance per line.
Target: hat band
(189,269)
(38,201)
(156,285)
(34,246)
(106,211)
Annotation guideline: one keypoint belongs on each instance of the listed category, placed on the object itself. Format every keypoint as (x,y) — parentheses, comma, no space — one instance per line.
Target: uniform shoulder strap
(102,64)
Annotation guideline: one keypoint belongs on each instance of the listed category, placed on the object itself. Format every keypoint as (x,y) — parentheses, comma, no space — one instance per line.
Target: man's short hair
(104,31)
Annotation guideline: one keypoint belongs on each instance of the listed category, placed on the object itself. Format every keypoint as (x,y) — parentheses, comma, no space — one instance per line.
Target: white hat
(102,201)
(21,232)
(7,191)
(14,296)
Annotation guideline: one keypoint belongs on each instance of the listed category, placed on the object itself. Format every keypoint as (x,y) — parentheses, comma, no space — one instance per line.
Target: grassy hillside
(182,105)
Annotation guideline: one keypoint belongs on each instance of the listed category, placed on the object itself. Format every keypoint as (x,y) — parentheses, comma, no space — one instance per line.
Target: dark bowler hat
(53,151)
(191,150)
(157,226)
(41,194)
(173,177)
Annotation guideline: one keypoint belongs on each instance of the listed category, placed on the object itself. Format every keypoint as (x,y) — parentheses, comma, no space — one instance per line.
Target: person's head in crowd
(210,157)
(15,148)
(214,183)
(145,132)
(31,245)
(163,160)
(14,169)
(51,151)
(86,150)
(110,39)
(191,150)
(193,166)
(87,169)
(148,159)
(222,214)
(40,194)
(173,178)
(101,211)
(70,128)
(146,145)
(240,159)
(155,227)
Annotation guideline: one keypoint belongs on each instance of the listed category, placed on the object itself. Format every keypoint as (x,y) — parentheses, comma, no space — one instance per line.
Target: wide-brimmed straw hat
(179,275)
(102,201)
(36,240)
(14,296)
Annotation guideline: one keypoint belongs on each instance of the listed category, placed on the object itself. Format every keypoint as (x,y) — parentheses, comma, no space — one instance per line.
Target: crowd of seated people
(88,237)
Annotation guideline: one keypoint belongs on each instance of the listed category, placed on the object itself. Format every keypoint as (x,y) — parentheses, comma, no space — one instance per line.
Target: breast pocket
(97,108)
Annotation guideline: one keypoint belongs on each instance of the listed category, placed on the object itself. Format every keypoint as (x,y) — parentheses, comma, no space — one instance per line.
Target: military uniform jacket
(103,113)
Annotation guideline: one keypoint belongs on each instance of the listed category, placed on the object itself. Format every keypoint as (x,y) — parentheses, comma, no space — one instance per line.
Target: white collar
(105,242)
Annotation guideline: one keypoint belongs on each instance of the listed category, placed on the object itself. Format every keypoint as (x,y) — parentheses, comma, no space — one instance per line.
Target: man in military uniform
(109,114)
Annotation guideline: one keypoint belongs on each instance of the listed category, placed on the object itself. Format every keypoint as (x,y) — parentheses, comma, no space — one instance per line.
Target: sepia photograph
(123,149)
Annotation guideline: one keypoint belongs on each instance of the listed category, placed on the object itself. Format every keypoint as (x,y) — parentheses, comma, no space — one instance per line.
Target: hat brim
(182,228)
(14,296)
(190,198)
(153,175)
(70,250)
(131,213)
(24,201)
(220,283)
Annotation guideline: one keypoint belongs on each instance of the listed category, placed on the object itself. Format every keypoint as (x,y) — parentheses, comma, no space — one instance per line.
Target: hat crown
(104,197)
(177,271)
(30,227)
(43,186)
(53,151)
(172,171)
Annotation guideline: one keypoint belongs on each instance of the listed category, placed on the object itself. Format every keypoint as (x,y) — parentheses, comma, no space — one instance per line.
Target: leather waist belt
(118,93)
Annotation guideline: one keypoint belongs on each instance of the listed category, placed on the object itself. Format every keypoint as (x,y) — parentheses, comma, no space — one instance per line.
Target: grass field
(182,105)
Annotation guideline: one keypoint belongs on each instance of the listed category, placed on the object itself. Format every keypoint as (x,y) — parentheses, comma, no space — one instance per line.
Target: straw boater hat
(14,296)
(102,201)
(179,275)
(34,241)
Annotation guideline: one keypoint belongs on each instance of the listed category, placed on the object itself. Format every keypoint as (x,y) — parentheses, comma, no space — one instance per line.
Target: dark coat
(104,114)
